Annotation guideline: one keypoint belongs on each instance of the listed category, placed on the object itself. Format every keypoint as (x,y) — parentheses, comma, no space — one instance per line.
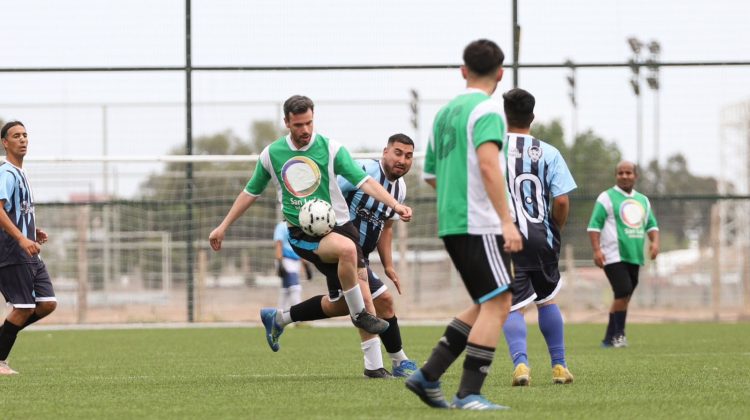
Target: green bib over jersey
(624,221)
(460,127)
(303,174)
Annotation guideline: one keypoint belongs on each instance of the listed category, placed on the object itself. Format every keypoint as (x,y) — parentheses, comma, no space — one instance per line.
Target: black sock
(8,338)
(620,322)
(309,310)
(391,338)
(476,367)
(32,319)
(450,346)
(610,328)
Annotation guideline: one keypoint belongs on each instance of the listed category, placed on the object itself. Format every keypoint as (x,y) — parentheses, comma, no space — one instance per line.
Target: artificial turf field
(674,371)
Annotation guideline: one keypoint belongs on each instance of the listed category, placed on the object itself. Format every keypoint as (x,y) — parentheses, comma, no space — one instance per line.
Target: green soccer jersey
(623,220)
(303,174)
(460,127)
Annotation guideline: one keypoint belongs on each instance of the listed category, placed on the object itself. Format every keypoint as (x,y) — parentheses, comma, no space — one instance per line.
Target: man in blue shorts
(373,221)
(24,281)
(539,182)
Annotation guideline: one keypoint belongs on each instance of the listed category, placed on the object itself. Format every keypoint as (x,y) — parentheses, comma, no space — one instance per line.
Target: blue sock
(551,325)
(515,335)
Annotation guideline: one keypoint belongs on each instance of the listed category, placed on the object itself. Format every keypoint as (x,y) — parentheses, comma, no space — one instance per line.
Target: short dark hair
(297,104)
(483,57)
(400,138)
(8,126)
(519,108)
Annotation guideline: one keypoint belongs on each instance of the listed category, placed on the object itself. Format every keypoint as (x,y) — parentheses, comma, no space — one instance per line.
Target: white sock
(354,300)
(373,355)
(283,297)
(283,317)
(295,295)
(398,357)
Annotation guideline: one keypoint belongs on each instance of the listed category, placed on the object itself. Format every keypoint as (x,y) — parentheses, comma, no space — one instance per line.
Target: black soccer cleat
(370,322)
(381,373)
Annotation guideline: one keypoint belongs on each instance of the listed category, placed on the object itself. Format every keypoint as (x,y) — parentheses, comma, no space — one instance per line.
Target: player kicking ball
(374,221)
(303,166)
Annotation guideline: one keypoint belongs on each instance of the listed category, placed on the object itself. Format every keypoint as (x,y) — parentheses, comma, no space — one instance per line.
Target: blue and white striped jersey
(366,213)
(19,206)
(536,173)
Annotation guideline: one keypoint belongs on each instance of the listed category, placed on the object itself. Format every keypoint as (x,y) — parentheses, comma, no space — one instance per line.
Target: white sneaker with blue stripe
(475,402)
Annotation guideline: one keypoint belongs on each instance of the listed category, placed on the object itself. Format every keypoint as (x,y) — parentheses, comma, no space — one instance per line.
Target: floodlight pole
(189,165)
(635,83)
(654,83)
(516,42)
(573,100)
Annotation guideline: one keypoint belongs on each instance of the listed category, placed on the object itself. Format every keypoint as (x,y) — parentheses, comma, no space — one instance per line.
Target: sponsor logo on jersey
(301,176)
(632,213)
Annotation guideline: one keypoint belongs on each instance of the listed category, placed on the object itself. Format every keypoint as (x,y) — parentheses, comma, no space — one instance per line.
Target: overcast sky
(65,112)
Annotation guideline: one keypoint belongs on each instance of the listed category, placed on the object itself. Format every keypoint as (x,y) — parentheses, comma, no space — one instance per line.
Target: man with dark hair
(24,281)
(301,165)
(374,222)
(463,165)
(539,182)
(620,222)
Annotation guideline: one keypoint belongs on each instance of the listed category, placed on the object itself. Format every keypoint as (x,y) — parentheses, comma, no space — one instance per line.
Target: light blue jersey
(19,206)
(281,233)
(366,213)
(536,173)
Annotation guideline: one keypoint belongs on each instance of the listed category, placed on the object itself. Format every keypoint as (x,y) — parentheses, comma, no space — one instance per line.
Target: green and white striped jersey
(303,174)
(468,121)
(623,220)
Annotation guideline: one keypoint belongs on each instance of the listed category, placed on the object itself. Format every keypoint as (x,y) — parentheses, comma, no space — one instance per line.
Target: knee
(45,308)
(348,252)
(384,305)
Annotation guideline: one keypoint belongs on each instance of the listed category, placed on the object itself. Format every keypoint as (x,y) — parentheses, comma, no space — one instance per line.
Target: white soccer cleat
(5,370)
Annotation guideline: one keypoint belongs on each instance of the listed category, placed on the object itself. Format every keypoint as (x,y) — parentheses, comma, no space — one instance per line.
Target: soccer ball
(317,218)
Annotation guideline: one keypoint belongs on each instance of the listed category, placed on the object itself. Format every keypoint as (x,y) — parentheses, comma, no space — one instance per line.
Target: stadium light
(414,105)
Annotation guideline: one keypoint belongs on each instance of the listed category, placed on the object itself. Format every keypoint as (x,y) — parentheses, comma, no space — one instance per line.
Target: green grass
(670,371)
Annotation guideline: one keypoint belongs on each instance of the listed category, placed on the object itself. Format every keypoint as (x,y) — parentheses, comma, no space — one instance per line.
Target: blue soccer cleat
(405,369)
(475,402)
(429,392)
(273,329)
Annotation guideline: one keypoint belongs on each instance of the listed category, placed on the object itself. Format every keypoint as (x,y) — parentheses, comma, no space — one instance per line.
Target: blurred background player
(463,165)
(24,280)
(303,165)
(288,266)
(621,220)
(539,182)
(374,222)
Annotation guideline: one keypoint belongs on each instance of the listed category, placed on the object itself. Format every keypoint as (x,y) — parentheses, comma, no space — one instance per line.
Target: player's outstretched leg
(273,329)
